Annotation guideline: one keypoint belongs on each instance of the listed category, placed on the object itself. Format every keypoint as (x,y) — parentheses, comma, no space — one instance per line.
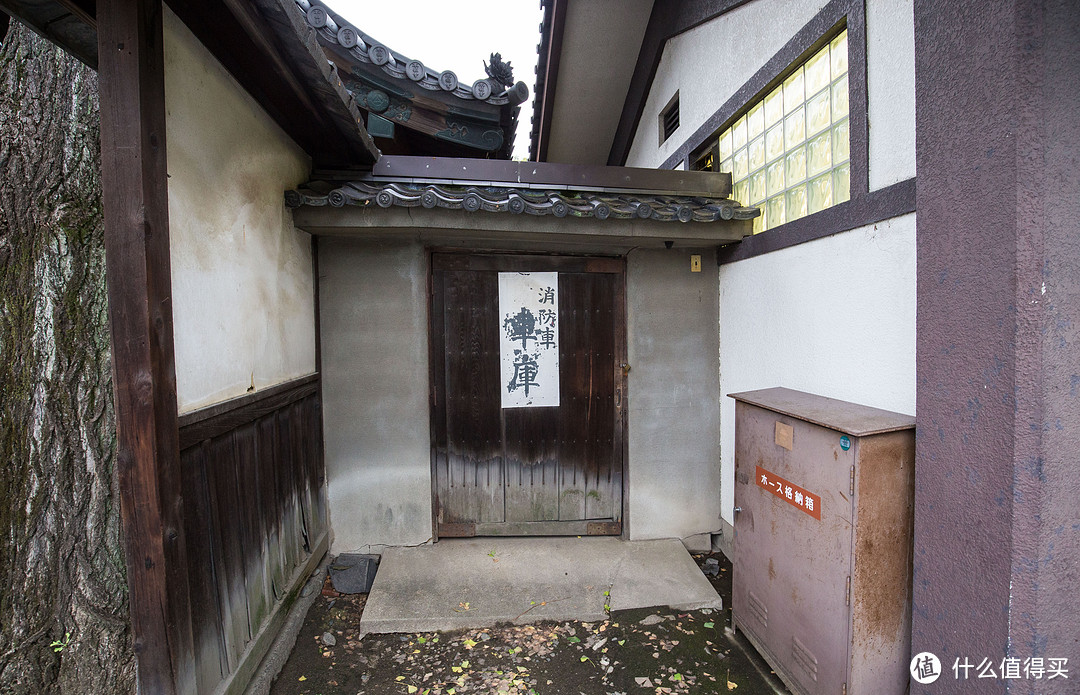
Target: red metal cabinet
(822,549)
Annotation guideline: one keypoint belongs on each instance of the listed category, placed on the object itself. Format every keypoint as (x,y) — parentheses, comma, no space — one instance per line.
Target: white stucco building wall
(709,63)
(243,302)
(834,316)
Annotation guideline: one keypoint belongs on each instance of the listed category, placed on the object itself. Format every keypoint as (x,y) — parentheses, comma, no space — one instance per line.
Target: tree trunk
(64,625)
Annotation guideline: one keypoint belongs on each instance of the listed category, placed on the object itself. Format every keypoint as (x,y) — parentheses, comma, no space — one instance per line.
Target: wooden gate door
(504,468)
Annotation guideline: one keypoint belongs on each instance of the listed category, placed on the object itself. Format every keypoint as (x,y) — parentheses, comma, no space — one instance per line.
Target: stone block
(352,573)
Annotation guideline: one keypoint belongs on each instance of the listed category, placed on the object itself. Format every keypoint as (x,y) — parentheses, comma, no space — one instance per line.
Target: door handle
(618,397)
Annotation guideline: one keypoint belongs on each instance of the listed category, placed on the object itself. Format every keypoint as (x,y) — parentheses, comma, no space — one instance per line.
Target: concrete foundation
(480,582)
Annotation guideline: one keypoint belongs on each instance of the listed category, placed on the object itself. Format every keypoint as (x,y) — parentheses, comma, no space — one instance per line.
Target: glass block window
(788,152)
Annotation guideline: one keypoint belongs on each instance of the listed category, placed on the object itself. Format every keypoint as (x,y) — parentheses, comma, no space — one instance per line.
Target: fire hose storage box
(824,493)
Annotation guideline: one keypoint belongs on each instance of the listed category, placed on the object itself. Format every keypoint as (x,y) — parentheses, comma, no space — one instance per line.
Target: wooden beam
(135,196)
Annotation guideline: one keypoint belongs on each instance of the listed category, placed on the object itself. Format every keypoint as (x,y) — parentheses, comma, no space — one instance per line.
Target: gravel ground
(652,650)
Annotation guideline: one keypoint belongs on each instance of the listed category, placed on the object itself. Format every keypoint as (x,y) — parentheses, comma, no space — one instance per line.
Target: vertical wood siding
(254,514)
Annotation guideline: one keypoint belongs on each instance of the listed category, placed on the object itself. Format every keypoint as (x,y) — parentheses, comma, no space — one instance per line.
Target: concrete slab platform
(480,582)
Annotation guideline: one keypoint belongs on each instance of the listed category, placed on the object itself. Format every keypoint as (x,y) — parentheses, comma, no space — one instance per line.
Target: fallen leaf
(622,642)
(732,686)
(709,624)
(643,682)
(412,689)
(400,678)
(302,678)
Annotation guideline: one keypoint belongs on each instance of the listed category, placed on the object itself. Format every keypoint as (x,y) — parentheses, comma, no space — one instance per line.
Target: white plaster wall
(373,299)
(890,78)
(835,317)
(241,272)
(709,63)
(672,388)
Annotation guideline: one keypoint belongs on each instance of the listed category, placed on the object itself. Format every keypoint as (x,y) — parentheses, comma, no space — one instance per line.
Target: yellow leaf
(455,669)
(732,686)
(302,678)
(400,678)
(412,689)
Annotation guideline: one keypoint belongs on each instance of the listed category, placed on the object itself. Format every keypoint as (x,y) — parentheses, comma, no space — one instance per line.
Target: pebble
(651,620)
(328,639)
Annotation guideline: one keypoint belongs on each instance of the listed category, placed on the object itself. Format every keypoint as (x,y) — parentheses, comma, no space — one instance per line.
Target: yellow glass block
(774,177)
(817,71)
(840,142)
(726,166)
(774,142)
(774,210)
(841,183)
(795,165)
(738,134)
(795,129)
(741,169)
(793,91)
(795,205)
(756,151)
(725,144)
(819,194)
(741,191)
(819,154)
(838,54)
(755,121)
(817,113)
(840,99)
(757,187)
(774,106)
(759,223)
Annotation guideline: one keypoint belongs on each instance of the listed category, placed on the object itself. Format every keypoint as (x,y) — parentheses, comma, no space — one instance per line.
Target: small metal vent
(804,657)
(758,609)
(669,118)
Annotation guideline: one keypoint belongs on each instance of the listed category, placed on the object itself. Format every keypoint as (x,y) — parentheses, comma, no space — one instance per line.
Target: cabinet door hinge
(847,597)
(844,689)
(853,479)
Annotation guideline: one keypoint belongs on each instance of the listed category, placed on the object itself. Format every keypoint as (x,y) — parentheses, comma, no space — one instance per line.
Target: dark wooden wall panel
(470,472)
(254,511)
(587,352)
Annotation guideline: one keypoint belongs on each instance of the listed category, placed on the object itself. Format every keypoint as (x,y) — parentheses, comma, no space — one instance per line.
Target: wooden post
(131,75)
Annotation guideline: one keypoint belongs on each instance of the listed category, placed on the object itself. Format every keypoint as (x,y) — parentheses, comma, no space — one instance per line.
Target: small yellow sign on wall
(695,263)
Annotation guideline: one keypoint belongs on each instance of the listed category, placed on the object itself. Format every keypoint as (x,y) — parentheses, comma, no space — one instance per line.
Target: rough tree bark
(64,624)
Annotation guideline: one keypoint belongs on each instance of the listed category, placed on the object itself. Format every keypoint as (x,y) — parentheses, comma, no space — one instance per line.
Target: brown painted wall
(997,537)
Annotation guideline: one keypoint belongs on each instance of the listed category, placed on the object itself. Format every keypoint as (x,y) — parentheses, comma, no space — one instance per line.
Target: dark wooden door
(549,470)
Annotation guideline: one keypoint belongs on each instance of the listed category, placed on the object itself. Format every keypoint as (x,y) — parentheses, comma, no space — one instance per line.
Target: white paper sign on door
(529,339)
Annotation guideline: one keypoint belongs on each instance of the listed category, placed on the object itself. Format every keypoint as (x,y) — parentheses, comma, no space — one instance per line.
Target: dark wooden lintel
(691,183)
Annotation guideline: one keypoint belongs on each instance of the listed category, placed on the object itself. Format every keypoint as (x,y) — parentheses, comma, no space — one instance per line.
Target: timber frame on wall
(865,207)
